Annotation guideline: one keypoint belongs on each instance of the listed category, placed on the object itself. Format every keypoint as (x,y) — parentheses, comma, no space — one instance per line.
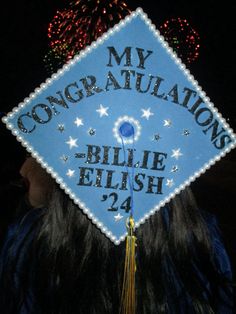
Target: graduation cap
(123,127)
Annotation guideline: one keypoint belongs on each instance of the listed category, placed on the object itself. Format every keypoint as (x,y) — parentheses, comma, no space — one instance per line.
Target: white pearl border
(72,62)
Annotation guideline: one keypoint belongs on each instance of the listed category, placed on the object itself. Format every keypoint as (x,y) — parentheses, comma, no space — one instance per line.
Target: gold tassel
(128,289)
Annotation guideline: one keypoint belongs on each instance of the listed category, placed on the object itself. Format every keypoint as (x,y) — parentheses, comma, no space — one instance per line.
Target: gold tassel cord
(128,288)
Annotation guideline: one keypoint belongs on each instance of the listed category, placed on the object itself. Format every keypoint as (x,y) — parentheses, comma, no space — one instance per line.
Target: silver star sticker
(72,142)
(147,113)
(174,169)
(61,127)
(78,122)
(176,153)
(102,111)
(64,158)
(70,173)
(169,182)
(186,132)
(91,131)
(167,122)
(157,137)
(118,217)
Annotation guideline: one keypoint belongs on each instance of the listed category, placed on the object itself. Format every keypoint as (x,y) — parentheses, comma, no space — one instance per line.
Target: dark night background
(24,43)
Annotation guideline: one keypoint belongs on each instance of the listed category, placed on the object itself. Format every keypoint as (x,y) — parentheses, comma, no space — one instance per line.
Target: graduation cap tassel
(128,289)
(128,301)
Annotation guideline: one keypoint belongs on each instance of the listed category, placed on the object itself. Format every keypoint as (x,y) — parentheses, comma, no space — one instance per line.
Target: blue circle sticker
(126,129)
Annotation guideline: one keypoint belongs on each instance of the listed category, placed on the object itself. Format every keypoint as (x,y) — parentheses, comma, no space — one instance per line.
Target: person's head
(38,182)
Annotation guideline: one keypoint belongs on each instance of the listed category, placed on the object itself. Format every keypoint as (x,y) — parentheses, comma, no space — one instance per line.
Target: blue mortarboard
(123,127)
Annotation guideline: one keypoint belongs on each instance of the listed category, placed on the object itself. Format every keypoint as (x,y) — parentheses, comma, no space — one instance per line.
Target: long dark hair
(71,267)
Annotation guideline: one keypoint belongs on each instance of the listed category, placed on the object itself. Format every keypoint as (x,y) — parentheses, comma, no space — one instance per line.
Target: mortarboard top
(123,127)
